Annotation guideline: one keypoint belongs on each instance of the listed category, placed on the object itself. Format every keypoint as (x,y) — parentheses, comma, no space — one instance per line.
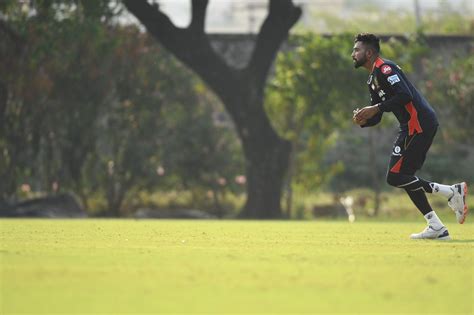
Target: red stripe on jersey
(397,166)
(413,123)
(378,62)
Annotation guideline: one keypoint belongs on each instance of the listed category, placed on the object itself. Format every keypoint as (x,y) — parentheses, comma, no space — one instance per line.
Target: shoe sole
(465,210)
(442,237)
(445,238)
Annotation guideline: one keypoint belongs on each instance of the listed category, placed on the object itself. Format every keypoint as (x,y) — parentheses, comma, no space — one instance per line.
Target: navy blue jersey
(390,88)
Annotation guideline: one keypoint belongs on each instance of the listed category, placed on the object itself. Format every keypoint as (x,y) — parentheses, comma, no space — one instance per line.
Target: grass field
(145,266)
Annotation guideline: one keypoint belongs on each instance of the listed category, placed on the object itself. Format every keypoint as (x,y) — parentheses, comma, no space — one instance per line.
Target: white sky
(234,16)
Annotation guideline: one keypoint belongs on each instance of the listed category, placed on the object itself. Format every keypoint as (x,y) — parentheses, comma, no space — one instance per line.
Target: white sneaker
(430,233)
(458,201)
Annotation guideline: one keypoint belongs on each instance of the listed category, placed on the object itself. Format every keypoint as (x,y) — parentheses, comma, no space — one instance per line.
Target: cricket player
(391,91)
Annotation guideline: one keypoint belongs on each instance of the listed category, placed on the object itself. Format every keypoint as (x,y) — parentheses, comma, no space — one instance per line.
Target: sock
(418,197)
(433,220)
(444,190)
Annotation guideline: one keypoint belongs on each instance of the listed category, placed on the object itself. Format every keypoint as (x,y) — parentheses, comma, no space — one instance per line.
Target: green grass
(130,266)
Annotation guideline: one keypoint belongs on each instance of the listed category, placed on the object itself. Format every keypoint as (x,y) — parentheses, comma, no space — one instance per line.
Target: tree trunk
(266,168)
(241,90)
(289,179)
(266,154)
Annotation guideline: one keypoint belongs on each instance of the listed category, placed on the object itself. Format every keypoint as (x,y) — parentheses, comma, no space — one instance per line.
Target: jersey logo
(381,93)
(397,151)
(386,69)
(393,79)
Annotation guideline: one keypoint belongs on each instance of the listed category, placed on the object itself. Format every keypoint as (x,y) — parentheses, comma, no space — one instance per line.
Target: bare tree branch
(190,45)
(156,22)
(281,17)
(199,8)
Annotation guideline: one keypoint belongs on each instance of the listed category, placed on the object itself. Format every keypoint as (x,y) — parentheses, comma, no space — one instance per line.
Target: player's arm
(363,122)
(373,121)
(390,79)
(369,115)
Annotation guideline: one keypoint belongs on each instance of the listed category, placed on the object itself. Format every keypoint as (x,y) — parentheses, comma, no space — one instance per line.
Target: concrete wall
(237,48)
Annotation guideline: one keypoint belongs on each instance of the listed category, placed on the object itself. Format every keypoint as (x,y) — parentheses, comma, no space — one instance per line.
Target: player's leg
(413,151)
(456,198)
(407,157)
(435,228)
(454,194)
(414,187)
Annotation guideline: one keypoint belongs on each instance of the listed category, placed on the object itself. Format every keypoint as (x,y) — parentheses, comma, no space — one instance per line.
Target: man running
(391,91)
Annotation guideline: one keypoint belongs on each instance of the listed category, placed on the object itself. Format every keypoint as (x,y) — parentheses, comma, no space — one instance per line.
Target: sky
(242,15)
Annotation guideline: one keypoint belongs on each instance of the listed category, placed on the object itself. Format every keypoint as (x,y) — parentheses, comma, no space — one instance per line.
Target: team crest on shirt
(386,69)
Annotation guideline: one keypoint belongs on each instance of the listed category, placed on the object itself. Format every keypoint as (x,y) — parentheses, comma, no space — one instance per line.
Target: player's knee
(393,179)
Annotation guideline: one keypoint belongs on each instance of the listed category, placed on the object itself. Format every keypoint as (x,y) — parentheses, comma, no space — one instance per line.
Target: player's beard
(360,62)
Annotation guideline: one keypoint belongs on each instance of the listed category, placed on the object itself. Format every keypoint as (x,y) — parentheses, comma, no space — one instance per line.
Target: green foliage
(450,86)
(309,103)
(315,89)
(102,110)
(55,84)
(311,100)
(57,88)
(96,107)
(406,52)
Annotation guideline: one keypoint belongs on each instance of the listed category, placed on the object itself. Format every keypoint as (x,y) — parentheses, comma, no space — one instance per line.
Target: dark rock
(54,206)
(332,210)
(172,214)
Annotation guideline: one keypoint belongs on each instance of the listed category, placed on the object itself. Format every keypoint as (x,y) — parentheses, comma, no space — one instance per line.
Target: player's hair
(369,40)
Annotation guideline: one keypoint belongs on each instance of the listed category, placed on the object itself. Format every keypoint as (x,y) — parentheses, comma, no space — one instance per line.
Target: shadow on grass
(461,241)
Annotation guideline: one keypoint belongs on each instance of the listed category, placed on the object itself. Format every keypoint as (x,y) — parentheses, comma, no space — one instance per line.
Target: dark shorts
(409,152)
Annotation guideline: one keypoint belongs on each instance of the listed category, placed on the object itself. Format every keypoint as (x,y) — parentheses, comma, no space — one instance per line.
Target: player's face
(359,54)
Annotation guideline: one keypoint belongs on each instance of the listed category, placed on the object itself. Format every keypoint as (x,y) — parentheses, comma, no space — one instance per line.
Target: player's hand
(356,120)
(367,112)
